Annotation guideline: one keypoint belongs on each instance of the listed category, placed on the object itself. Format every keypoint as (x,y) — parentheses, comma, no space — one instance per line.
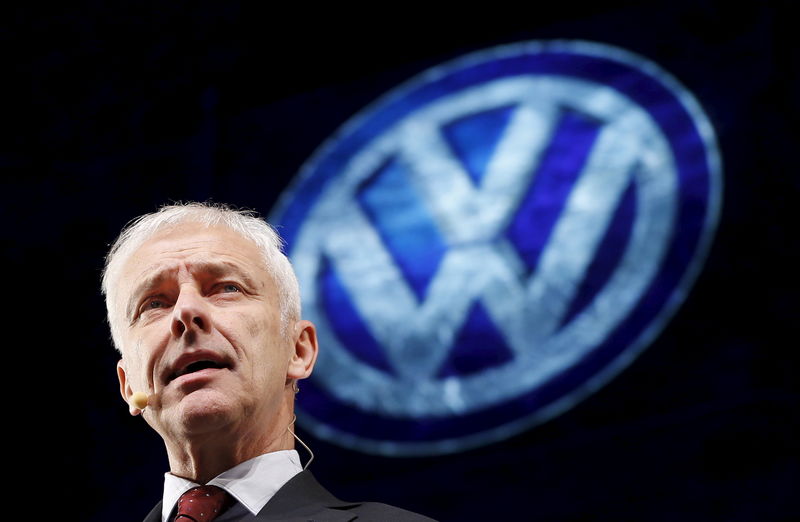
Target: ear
(305,352)
(125,388)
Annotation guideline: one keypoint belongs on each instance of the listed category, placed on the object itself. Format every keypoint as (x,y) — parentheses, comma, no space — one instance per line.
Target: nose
(190,315)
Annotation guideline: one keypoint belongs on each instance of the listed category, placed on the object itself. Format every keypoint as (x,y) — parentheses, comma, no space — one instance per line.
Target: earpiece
(311,453)
(139,400)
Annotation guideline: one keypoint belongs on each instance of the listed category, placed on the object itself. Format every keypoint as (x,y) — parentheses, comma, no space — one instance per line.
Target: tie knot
(202,504)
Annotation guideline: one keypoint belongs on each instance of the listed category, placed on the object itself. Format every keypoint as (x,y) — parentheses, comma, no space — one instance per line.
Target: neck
(201,457)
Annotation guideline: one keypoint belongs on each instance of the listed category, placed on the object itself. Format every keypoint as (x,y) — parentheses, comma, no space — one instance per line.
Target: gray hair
(244,222)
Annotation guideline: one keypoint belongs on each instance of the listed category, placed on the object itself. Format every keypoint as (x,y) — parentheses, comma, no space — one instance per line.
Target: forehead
(195,245)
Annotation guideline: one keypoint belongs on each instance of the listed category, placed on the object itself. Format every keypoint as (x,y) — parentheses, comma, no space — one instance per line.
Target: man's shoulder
(304,496)
(387,513)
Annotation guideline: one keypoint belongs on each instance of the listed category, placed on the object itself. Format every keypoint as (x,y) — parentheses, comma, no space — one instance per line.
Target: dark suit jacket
(304,499)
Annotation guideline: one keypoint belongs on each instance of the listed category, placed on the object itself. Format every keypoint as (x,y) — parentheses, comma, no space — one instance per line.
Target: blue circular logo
(494,240)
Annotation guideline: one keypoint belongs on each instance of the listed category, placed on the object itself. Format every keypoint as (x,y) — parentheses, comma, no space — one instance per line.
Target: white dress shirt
(252,483)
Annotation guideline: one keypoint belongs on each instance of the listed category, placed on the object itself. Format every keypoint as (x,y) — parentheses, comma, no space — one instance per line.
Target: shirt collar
(252,483)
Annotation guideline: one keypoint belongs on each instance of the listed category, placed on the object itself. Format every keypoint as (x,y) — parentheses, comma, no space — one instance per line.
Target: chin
(206,410)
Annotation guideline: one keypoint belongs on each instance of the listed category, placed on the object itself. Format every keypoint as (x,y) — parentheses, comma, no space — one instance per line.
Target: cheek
(135,371)
(253,326)
(260,327)
(267,348)
(141,352)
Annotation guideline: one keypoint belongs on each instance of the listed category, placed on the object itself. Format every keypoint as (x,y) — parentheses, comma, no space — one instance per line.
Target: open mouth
(196,367)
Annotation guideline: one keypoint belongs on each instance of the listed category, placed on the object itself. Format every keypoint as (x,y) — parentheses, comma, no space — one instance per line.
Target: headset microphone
(139,400)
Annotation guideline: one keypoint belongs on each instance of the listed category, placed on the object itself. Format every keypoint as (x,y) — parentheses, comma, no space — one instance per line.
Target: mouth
(196,366)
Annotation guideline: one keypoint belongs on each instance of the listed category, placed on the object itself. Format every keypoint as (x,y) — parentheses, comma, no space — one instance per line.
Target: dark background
(111,109)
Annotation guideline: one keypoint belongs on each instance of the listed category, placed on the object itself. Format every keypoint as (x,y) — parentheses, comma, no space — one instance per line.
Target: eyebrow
(215,269)
(145,286)
(222,268)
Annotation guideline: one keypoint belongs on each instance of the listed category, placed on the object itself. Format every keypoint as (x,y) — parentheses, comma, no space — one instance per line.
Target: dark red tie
(202,504)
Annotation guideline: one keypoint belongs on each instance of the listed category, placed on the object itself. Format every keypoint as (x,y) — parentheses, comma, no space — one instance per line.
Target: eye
(230,288)
(154,303)
(150,304)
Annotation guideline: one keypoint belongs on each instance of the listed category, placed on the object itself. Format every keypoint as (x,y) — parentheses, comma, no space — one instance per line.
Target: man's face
(201,332)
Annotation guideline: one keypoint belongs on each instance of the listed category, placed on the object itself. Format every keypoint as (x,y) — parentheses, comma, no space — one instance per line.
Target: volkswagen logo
(494,240)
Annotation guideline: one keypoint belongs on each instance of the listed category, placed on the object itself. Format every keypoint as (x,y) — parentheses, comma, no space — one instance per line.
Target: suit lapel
(154,515)
(303,498)
(300,499)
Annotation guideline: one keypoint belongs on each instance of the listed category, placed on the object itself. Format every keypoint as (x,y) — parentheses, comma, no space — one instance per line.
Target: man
(205,310)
